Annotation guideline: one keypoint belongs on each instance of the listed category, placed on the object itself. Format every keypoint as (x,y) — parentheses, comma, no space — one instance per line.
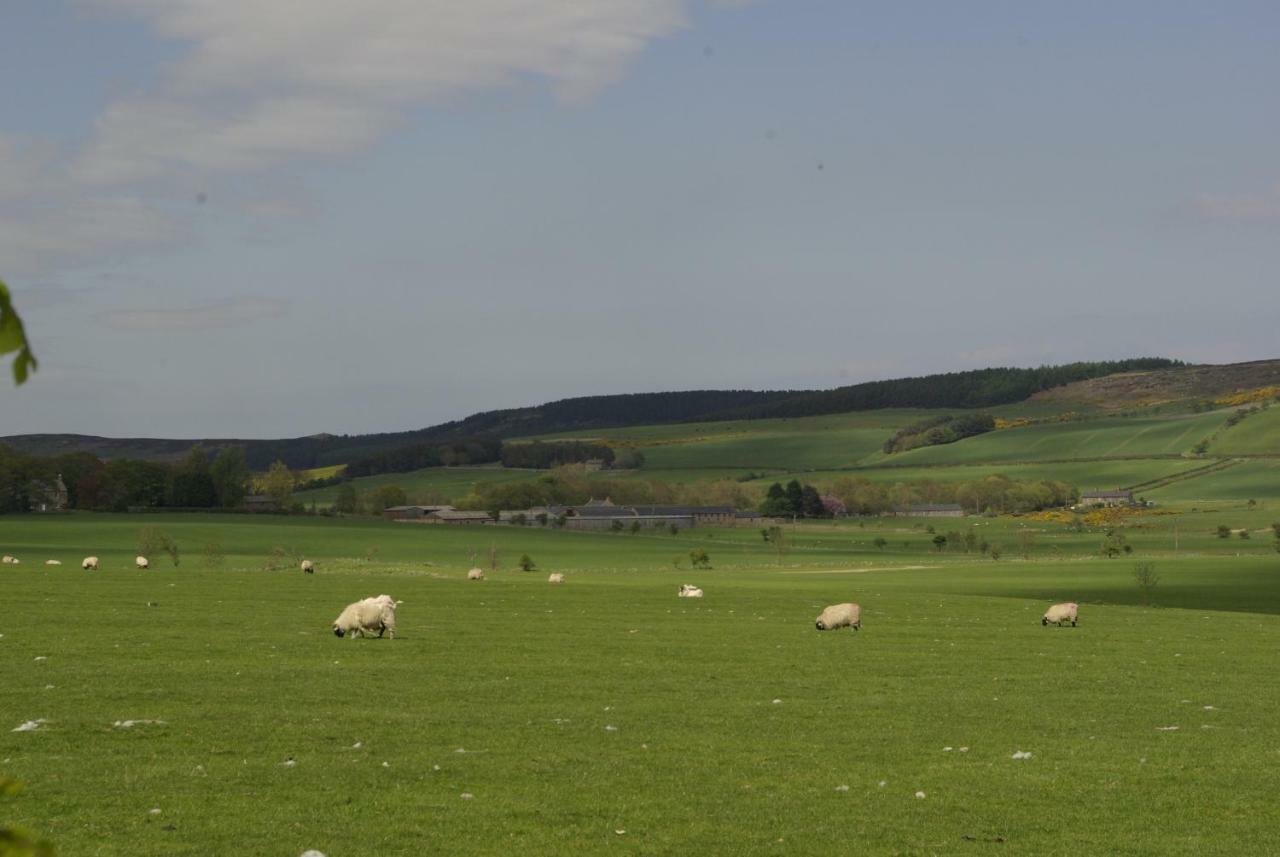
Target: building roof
(415,506)
(456,515)
(1107,494)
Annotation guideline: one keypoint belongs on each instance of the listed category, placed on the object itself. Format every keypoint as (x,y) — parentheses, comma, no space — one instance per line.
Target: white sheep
(90,563)
(366,616)
(688,590)
(6,559)
(308,567)
(555,577)
(53,562)
(1059,613)
(142,562)
(475,574)
(840,616)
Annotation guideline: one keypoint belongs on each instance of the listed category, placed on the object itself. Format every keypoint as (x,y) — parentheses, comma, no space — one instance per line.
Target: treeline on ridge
(969,389)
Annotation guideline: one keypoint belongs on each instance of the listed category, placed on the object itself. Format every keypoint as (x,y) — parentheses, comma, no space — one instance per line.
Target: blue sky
(220,219)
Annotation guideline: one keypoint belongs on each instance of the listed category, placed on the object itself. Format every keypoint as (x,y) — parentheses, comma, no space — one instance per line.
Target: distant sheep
(308,567)
(688,590)
(366,616)
(475,574)
(142,562)
(555,577)
(90,563)
(840,616)
(6,559)
(53,562)
(1059,613)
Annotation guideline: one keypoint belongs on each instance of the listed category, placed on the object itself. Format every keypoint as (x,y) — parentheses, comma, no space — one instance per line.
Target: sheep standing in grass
(53,562)
(90,563)
(142,562)
(308,567)
(840,616)
(366,616)
(475,574)
(688,590)
(1059,613)
(6,559)
(555,577)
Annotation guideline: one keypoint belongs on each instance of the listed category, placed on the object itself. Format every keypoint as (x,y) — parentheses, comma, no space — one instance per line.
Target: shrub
(1244,533)
(1144,574)
(1224,532)
(698,558)
(526,563)
(213,555)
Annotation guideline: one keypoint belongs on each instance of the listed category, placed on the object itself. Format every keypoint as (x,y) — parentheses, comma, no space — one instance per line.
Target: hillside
(970,389)
(1145,388)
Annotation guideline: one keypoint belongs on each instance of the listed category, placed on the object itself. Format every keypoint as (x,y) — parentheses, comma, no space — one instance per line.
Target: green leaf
(13,337)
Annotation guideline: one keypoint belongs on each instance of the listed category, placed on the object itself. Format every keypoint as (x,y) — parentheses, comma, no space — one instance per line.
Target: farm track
(1216,467)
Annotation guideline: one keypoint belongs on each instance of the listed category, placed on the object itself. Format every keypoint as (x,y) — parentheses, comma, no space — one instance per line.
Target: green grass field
(1257,434)
(606,715)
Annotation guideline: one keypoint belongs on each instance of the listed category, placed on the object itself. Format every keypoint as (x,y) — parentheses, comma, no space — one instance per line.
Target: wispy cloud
(228,313)
(1259,206)
(265,81)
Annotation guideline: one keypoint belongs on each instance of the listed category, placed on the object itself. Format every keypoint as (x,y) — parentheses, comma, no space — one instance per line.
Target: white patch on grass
(129,724)
(311,852)
(1167,728)
(1210,708)
(48,687)
(289,762)
(467,796)
(777,702)
(357,745)
(30,725)
(620,831)
(946,749)
(1020,754)
(842,788)
(154,810)
(964,749)
(611,728)
(41,657)
(920,795)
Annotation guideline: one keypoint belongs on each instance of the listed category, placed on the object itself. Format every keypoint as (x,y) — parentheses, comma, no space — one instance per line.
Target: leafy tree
(795,497)
(1145,575)
(939,542)
(384,497)
(191,482)
(1114,544)
(347,501)
(229,471)
(525,563)
(1224,532)
(1244,533)
(278,483)
(698,558)
(811,503)
(13,338)
(635,527)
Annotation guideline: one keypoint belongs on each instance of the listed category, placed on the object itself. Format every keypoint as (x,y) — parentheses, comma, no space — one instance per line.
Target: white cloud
(228,313)
(266,81)
(1261,206)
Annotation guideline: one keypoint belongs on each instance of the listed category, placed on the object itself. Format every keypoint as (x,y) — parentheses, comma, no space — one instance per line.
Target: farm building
(1106,498)
(457,518)
(411,513)
(933,510)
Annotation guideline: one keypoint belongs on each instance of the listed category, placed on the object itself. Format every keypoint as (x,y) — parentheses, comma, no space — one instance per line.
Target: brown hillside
(1136,389)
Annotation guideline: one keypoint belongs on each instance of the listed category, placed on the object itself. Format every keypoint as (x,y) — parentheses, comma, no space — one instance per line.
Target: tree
(1145,575)
(13,338)
(1224,532)
(1026,542)
(615,525)
(939,542)
(1244,533)
(384,497)
(278,483)
(230,474)
(525,563)
(153,541)
(635,527)
(795,497)
(880,542)
(1114,544)
(347,500)
(698,558)
(191,483)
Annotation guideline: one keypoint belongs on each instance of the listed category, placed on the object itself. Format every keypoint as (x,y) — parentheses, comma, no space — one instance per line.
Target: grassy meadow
(608,716)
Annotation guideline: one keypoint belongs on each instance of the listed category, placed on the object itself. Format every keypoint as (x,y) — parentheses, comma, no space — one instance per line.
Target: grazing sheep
(53,562)
(142,562)
(308,567)
(475,574)
(90,563)
(840,616)
(556,577)
(14,561)
(6,559)
(688,590)
(1059,613)
(367,615)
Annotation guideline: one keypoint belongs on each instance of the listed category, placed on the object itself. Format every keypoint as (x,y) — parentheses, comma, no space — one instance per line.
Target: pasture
(606,715)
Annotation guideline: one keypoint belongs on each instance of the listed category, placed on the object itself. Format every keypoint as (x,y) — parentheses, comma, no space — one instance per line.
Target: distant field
(448,482)
(1257,434)
(1134,437)
(1259,479)
(1086,475)
(607,715)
